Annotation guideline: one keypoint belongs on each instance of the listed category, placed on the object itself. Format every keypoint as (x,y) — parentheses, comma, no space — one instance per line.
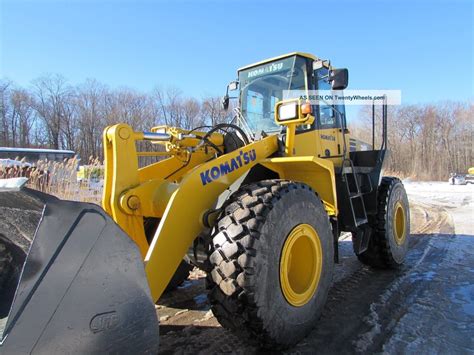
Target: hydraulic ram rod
(153,136)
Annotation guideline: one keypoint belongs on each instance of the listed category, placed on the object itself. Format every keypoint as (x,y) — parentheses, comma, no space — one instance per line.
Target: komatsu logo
(227,167)
(327,137)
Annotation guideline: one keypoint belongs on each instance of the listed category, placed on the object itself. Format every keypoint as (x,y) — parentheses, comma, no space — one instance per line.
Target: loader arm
(131,193)
(178,190)
(196,194)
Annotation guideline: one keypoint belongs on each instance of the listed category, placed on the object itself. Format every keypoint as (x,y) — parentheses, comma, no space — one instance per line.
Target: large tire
(245,288)
(389,241)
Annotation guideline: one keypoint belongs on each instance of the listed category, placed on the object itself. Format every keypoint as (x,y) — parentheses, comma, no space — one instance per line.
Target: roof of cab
(307,55)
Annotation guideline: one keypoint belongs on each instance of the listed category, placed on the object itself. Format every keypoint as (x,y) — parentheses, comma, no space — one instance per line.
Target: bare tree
(51,95)
(191,114)
(69,126)
(426,141)
(4,111)
(22,117)
(90,109)
(213,112)
(173,109)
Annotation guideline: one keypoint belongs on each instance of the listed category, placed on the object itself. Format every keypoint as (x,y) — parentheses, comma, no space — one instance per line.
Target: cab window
(328,116)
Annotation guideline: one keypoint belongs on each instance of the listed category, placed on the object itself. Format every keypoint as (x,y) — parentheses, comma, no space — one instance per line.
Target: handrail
(384,144)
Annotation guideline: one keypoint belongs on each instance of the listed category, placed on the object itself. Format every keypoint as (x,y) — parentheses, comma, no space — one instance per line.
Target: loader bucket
(71,281)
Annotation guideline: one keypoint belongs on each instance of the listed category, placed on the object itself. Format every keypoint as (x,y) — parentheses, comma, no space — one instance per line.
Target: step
(357,169)
(360,221)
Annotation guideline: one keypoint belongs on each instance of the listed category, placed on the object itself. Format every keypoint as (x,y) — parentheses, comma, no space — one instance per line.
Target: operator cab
(294,96)
(264,84)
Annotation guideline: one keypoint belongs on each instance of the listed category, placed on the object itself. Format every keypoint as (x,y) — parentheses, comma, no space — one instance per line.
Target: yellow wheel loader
(258,203)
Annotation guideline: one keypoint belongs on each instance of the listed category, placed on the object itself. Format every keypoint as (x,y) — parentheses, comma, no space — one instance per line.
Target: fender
(315,172)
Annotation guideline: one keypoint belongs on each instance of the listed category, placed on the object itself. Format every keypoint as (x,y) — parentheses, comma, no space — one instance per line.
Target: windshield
(262,87)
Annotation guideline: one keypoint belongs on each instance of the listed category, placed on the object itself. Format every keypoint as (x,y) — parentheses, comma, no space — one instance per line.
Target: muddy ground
(427,306)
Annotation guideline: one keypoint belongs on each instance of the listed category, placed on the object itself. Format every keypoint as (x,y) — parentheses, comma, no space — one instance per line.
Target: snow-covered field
(457,200)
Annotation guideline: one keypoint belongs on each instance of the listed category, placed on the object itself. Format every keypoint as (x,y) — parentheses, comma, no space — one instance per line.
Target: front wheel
(272,262)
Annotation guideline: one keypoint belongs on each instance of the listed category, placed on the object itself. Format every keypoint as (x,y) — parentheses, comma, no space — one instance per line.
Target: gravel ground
(427,306)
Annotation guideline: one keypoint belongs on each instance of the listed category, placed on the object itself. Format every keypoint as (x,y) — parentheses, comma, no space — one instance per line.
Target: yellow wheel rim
(300,265)
(399,230)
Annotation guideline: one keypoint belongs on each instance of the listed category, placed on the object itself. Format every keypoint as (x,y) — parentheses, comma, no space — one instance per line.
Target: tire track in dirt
(430,218)
(431,223)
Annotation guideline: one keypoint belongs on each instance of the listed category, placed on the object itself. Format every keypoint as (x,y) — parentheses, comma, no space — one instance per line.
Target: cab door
(329,118)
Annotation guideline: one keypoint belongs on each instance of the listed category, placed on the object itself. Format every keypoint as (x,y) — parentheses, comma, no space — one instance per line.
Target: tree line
(52,113)
(427,141)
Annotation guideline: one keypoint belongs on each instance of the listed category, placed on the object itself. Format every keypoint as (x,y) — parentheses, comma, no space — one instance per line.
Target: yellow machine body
(183,188)
(258,203)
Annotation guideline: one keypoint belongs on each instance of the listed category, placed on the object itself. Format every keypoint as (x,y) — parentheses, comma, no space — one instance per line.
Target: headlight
(288,111)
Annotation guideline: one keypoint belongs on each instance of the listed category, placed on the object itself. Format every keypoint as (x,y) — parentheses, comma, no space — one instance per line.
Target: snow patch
(13,183)
(458,200)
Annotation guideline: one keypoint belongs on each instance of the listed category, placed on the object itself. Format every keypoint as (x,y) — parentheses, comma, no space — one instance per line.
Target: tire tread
(379,253)
(231,288)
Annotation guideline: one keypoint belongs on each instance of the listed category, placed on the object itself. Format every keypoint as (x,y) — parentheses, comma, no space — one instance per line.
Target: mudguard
(82,287)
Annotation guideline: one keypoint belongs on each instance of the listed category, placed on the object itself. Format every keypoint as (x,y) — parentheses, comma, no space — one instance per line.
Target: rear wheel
(272,262)
(388,244)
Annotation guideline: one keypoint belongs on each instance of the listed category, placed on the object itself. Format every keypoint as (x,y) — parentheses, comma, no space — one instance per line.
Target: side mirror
(233,85)
(225,102)
(339,79)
